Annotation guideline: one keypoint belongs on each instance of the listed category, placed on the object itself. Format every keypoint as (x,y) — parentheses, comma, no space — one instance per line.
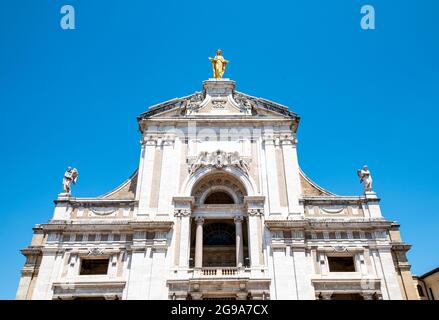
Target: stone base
(64,196)
(219,87)
(371,195)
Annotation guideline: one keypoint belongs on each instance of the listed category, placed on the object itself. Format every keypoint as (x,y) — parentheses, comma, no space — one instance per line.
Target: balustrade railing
(219,272)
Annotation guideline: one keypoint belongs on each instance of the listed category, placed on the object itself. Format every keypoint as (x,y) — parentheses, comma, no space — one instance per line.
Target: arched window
(421,291)
(218,188)
(219,197)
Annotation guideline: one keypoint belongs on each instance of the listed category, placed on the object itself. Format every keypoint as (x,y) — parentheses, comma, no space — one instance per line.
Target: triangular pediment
(219,98)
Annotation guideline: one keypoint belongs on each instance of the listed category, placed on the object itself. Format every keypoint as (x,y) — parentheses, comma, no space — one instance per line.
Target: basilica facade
(218,208)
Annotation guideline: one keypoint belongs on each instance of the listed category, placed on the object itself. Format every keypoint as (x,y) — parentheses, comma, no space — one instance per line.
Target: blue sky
(71,97)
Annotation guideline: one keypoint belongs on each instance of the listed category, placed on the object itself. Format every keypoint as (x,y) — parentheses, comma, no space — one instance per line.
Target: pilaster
(292,176)
(169,174)
(272,183)
(182,214)
(146,166)
(43,286)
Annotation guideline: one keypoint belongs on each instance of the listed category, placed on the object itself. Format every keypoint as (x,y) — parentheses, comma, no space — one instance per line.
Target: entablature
(120,226)
(327,224)
(95,202)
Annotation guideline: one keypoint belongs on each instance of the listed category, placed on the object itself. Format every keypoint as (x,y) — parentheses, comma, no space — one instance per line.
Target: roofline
(123,184)
(173,104)
(425,275)
(315,185)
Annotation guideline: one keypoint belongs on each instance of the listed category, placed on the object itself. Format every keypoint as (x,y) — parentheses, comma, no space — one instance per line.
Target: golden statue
(218,64)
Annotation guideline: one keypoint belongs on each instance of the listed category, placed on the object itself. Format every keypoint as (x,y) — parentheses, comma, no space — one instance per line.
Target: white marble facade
(218,208)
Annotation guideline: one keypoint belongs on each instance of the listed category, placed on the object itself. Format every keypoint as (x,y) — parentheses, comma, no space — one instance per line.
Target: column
(199,243)
(239,242)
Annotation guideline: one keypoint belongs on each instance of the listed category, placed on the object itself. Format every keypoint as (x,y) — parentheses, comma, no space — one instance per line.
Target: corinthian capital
(268,139)
(169,140)
(199,220)
(255,212)
(150,140)
(182,212)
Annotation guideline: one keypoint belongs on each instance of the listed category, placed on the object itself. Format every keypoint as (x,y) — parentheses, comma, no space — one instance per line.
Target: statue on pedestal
(365,178)
(70,177)
(218,64)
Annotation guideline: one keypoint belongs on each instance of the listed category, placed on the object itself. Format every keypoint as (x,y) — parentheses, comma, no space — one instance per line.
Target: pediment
(217,106)
(218,98)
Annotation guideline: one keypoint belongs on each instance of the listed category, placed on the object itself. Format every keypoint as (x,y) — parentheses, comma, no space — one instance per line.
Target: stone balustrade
(219,272)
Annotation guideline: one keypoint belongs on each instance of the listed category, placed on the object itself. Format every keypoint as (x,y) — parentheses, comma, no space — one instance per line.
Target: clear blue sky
(71,97)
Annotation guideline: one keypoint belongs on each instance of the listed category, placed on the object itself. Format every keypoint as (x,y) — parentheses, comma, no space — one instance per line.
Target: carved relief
(95,252)
(245,104)
(218,104)
(340,249)
(333,210)
(218,159)
(103,211)
(193,103)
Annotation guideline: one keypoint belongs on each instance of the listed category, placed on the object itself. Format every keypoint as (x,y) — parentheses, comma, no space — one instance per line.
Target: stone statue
(365,178)
(218,64)
(201,161)
(235,160)
(70,177)
(244,103)
(244,165)
(194,102)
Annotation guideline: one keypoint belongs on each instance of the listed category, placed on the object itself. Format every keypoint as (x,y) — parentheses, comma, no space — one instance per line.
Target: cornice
(126,225)
(327,224)
(94,202)
(334,200)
